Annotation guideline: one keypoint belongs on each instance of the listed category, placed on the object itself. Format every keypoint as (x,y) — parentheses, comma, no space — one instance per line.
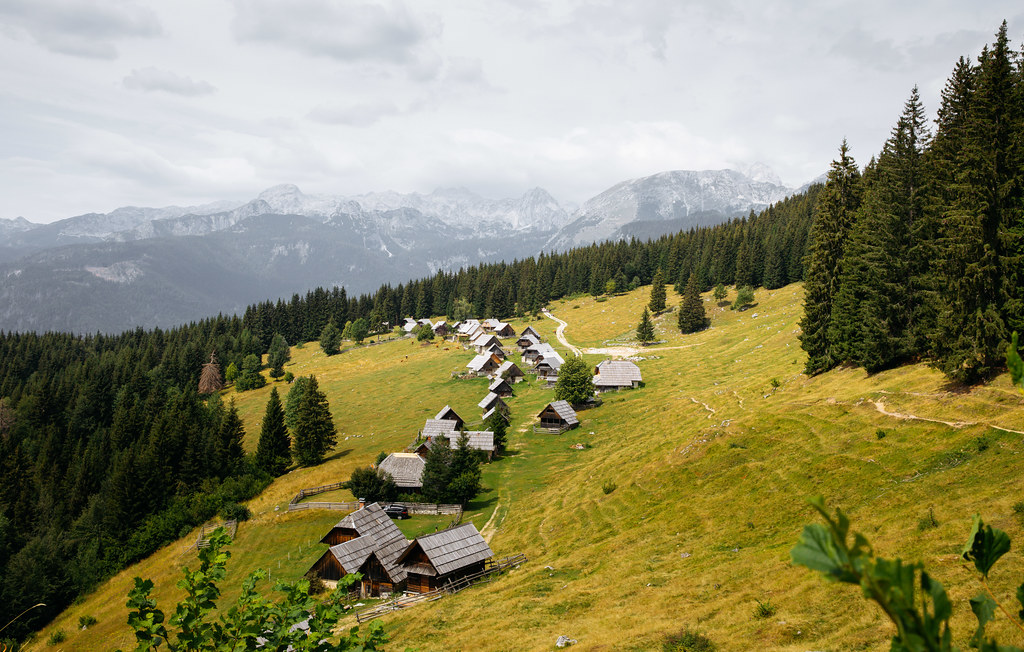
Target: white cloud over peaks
(345,31)
(154,79)
(86,28)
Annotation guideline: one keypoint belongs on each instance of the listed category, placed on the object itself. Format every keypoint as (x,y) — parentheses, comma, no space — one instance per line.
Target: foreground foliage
(254,622)
(911,598)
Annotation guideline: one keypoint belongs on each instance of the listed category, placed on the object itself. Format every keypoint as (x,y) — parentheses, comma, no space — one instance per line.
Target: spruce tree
(692,317)
(834,215)
(497,424)
(314,433)
(273,453)
(464,472)
(330,339)
(278,355)
(645,330)
(657,301)
(437,471)
(232,433)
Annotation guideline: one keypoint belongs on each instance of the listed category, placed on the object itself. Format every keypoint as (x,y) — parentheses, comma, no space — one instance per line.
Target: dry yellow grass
(711,463)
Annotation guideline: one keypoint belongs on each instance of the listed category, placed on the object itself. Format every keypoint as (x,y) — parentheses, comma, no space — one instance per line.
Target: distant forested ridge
(919,257)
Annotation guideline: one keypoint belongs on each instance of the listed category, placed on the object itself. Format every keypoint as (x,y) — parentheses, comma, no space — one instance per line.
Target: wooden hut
(530,330)
(510,372)
(492,401)
(504,330)
(616,374)
(527,340)
(435,427)
(556,417)
(373,551)
(484,364)
(448,414)
(441,328)
(547,369)
(501,387)
(484,342)
(494,410)
(479,440)
(435,559)
(406,469)
(496,351)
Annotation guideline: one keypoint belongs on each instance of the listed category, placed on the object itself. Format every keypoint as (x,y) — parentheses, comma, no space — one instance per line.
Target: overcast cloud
(106,103)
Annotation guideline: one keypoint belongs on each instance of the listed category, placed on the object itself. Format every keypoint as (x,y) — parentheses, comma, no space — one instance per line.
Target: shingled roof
(479,440)
(378,535)
(489,413)
(617,373)
(435,427)
(565,411)
(530,330)
(405,468)
(450,550)
(448,413)
(490,401)
(506,370)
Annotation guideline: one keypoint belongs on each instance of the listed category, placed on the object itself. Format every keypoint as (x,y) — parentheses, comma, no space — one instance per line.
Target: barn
(405,468)
(616,374)
(371,545)
(556,417)
(435,559)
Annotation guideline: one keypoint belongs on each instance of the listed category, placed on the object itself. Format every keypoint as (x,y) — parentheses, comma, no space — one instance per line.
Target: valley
(680,511)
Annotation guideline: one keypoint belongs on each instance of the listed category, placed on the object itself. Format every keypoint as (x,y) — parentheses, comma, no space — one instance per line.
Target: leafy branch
(913,600)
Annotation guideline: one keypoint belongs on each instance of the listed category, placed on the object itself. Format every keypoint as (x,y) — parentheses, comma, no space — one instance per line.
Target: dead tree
(210,380)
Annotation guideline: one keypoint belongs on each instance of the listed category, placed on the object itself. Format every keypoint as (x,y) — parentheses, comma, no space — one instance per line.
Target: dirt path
(880,406)
(614,351)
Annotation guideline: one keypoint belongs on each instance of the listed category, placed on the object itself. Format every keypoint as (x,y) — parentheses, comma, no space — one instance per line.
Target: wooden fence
(203,540)
(414,508)
(314,491)
(341,507)
(491,568)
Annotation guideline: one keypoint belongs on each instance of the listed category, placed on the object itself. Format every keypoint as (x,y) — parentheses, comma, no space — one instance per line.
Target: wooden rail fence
(203,540)
(492,568)
(314,491)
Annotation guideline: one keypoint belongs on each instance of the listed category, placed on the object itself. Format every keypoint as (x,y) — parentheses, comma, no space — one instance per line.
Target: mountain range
(165,266)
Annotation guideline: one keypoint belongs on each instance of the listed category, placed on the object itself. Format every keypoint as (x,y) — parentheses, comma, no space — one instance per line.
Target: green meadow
(680,511)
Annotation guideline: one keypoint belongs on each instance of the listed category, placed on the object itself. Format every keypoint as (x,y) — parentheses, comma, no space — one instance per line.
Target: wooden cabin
(510,372)
(547,369)
(374,552)
(484,342)
(530,330)
(501,387)
(478,440)
(526,341)
(616,374)
(441,328)
(557,417)
(484,364)
(492,401)
(436,427)
(433,560)
(504,330)
(494,410)
(448,414)
(496,351)
(406,469)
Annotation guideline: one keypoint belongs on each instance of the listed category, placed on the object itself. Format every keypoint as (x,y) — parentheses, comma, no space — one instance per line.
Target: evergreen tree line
(918,257)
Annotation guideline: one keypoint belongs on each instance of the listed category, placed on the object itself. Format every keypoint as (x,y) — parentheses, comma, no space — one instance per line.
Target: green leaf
(985,546)
(984,609)
(817,550)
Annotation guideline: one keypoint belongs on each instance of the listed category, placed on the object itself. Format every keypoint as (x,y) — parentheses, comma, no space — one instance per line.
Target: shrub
(880,433)
(775,383)
(609,486)
(316,585)
(928,522)
(687,641)
(764,609)
(57,637)
(234,512)
(982,443)
(85,622)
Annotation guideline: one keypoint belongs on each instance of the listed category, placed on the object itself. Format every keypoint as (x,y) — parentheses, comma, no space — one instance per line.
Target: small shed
(556,417)
(490,324)
(484,342)
(501,387)
(448,414)
(526,341)
(405,468)
(441,328)
(409,324)
(373,551)
(484,364)
(435,427)
(530,330)
(616,374)
(504,330)
(510,372)
(490,413)
(496,351)
(547,368)
(479,440)
(492,401)
(433,560)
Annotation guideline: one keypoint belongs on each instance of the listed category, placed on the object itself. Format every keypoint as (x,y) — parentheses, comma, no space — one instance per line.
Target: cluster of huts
(367,541)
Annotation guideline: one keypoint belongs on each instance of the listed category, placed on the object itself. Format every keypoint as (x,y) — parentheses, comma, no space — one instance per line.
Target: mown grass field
(682,511)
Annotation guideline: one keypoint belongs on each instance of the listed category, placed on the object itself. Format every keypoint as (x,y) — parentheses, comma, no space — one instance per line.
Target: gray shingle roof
(434,427)
(499,383)
(489,413)
(529,340)
(448,413)
(509,366)
(479,440)
(377,535)
(617,373)
(450,550)
(565,411)
(530,330)
(405,468)
(489,401)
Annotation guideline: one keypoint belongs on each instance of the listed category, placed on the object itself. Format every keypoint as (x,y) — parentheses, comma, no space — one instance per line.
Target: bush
(235,512)
(880,433)
(928,522)
(982,443)
(775,383)
(85,622)
(609,486)
(744,297)
(764,609)
(57,637)
(316,585)
(687,641)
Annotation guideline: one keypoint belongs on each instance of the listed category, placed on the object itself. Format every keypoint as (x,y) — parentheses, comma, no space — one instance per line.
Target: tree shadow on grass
(337,454)
(478,504)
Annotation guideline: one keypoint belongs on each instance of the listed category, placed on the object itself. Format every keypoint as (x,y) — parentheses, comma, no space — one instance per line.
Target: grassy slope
(711,466)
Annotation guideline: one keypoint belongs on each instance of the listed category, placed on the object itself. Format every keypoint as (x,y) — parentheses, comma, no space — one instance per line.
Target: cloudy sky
(106,103)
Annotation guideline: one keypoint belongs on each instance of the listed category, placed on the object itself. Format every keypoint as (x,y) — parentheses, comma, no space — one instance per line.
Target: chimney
(362,503)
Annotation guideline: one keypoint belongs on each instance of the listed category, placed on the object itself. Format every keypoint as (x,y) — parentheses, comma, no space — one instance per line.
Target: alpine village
(800,429)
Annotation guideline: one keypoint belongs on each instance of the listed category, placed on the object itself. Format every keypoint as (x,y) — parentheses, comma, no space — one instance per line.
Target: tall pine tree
(314,434)
(834,215)
(273,453)
(657,301)
(692,317)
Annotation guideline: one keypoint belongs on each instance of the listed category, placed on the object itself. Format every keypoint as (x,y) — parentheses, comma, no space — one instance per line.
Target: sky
(108,103)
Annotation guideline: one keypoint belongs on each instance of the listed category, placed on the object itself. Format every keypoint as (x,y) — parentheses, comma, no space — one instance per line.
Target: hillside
(711,463)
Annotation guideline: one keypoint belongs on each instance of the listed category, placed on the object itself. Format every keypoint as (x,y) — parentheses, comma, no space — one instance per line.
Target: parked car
(396,510)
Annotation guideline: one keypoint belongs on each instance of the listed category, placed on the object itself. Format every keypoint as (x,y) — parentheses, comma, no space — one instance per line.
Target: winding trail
(880,406)
(616,351)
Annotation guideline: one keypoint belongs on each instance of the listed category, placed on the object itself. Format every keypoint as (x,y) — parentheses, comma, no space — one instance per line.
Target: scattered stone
(548,568)
(564,641)
(685,555)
